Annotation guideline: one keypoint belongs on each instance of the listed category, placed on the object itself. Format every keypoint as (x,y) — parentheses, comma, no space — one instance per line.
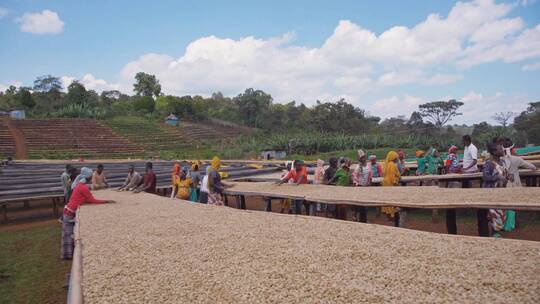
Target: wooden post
(268,204)
(55,206)
(226,200)
(4,211)
(396,219)
(242,202)
(26,204)
(238,203)
(482,222)
(362,214)
(451,225)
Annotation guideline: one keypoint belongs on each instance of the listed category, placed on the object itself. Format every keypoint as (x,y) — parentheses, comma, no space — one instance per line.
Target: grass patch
(31,270)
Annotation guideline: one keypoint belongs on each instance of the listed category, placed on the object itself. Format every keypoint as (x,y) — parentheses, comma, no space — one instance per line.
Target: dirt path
(18,138)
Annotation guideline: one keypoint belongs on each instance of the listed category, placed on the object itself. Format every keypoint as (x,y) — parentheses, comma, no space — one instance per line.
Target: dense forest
(256,109)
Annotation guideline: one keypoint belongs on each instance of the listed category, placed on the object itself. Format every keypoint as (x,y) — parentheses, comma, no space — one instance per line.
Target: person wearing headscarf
(420,162)
(343,178)
(183,184)
(195,177)
(434,161)
(175,175)
(318,176)
(452,162)
(513,163)
(403,170)
(362,175)
(80,195)
(285,206)
(494,175)
(297,176)
(391,178)
(83,177)
(375,167)
(215,186)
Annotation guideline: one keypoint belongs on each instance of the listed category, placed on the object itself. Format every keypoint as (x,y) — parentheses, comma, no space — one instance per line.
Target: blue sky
(383,56)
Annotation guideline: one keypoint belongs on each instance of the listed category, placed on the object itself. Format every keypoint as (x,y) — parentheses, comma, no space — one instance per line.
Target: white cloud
(479,107)
(531,67)
(394,106)
(46,22)
(353,61)
(90,83)
(3,12)
(527,2)
(6,85)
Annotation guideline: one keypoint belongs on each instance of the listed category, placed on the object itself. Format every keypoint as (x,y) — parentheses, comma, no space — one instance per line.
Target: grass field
(31,270)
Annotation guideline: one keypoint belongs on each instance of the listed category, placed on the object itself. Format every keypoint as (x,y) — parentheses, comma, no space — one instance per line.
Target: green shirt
(421,163)
(343,177)
(433,164)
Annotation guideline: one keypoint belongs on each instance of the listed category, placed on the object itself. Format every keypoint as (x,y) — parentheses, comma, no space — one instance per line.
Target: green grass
(31,270)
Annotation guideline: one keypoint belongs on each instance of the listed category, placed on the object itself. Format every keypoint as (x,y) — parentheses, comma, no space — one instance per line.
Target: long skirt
(67,245)
(497,219)
(214,198)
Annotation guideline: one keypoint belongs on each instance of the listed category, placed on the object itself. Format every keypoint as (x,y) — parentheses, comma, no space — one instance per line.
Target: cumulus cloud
(90,82)
(477,107)
(480,107)
(6,85)
(3,12)
(531,67)
(352,62)
(46,22)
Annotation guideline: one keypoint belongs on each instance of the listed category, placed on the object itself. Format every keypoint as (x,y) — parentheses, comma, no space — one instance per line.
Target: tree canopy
(440,112)
(146,85)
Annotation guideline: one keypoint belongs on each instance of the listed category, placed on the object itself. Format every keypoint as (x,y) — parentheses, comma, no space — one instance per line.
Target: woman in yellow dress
(183,184)
(391,178)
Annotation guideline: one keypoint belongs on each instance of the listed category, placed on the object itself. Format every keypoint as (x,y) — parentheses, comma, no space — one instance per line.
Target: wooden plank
(526,198)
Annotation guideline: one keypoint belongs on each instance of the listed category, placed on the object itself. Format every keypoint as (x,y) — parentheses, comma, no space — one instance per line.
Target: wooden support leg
(362,214)
(26,204)
(451,225)
(396,219)
(242,202)
(226,200)
(482,221)
(55,206)
(435,216)
(268,204)
(4,211)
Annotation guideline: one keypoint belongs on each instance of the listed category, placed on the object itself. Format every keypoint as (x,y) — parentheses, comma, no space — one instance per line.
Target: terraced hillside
(71,138)
(150,135)
(7,143)
(156,136)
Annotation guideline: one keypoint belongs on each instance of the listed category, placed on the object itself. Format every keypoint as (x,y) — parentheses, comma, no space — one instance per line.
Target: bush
(145,104)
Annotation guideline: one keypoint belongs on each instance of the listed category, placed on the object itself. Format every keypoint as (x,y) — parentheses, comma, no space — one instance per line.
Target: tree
(528,123)
(503,117)
(252,105)
(25,98)
(76,93)
(47,83)
(145,104)
(146,85)
(440,112)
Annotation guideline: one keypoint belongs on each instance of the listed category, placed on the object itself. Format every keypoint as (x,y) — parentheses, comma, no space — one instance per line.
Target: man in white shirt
(470,155)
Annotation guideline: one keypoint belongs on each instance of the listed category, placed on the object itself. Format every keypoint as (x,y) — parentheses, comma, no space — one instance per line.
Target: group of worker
(501,169)
(77,185)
